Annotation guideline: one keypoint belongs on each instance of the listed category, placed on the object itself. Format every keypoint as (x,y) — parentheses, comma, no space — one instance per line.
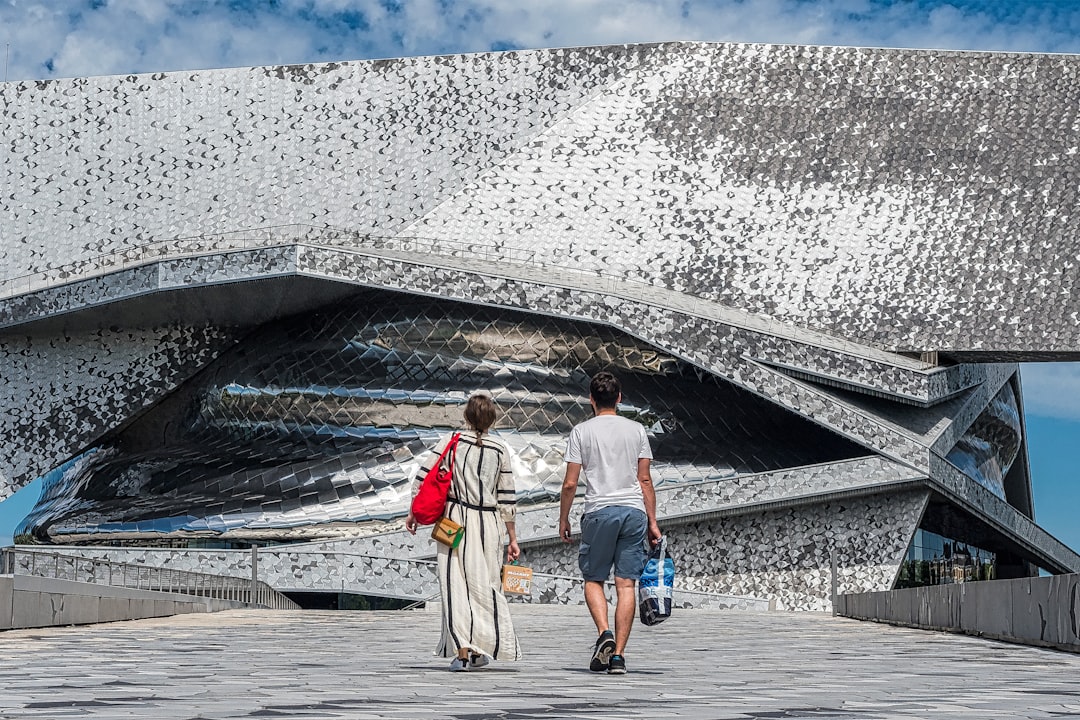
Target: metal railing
(471,252)
(35,563)
(541,580)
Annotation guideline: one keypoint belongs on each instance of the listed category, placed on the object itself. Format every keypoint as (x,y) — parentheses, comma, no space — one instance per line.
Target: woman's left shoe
(478,661)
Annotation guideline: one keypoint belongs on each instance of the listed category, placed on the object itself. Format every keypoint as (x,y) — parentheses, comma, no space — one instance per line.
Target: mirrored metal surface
(324,417)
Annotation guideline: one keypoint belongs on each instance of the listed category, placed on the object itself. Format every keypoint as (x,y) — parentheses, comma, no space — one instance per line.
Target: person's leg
(630,557)
(596,600)
(596,555)
(625,606)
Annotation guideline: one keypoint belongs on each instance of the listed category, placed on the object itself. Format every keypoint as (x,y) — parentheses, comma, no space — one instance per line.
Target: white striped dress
(482,497)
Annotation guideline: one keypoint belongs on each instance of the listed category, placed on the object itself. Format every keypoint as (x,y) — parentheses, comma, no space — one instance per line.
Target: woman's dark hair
(480,413)
(604,390)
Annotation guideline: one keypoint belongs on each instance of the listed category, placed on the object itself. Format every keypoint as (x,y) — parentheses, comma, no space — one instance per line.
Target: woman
(476,622)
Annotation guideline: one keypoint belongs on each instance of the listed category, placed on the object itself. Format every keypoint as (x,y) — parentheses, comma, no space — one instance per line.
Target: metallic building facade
(322,416)
(240,304)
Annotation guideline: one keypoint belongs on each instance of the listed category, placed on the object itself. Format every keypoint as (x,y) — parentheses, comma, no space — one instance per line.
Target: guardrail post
(254,573)
(832,565)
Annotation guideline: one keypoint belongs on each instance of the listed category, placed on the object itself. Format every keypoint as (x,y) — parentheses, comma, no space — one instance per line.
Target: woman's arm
(506,496)
(418,480)
(513,552)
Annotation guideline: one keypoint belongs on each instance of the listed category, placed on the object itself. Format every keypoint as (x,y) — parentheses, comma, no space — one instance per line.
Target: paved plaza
(700,664)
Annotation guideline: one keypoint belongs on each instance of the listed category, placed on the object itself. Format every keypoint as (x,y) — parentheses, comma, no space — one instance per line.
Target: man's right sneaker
(601,656)
(617,665)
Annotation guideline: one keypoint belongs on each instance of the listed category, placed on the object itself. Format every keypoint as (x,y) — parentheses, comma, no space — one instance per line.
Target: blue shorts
(613,536)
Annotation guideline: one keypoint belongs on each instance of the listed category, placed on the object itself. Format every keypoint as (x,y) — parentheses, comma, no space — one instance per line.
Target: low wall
(30,602)
(1041,611)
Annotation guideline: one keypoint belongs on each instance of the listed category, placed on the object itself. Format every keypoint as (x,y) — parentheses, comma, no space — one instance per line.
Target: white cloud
(1051,389)
(92,37)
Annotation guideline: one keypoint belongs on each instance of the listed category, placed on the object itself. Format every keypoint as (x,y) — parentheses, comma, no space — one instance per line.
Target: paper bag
(516,579)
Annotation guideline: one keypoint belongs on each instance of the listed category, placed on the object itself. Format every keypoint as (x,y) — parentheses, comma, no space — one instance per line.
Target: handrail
(37,563)
(536,574)
(356,241)
(40,563)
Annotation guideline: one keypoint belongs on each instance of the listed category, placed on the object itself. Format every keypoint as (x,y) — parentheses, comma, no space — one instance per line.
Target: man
(620,511)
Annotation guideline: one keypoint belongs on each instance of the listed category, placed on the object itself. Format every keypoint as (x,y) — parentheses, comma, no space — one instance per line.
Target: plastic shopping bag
(655,585)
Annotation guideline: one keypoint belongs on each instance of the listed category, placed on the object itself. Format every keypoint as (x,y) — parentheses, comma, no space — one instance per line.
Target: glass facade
(990,446)
(936,560)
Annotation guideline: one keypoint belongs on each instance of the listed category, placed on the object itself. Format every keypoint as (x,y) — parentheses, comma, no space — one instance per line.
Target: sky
(102,37)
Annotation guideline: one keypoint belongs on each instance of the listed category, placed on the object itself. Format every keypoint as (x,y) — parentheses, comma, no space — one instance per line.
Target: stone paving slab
(361,665)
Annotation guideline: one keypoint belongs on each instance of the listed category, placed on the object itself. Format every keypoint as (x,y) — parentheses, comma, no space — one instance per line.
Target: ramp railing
(35,563)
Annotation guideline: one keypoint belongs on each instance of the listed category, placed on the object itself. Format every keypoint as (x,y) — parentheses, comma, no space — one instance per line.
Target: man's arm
(569,491)
(648,493)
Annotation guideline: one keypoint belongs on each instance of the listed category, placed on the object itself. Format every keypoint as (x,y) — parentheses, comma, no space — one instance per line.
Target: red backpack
(430,502)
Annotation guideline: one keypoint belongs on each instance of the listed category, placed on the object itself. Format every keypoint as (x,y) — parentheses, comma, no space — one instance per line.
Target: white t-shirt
(608,447)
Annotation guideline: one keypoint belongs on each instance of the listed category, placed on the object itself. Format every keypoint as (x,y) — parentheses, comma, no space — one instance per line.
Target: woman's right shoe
(459,665)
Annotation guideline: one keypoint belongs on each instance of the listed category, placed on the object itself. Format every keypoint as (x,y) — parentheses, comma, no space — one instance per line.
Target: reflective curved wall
(319,421)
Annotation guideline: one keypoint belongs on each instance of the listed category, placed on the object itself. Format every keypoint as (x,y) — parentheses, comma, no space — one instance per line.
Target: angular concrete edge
(7,593)
(30,602)
(1042,611)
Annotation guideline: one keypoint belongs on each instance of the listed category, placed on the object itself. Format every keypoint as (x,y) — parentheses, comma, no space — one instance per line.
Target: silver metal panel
(888,196)
(62,391)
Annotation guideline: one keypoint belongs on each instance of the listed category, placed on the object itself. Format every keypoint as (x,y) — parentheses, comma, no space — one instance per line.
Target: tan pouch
(447,532)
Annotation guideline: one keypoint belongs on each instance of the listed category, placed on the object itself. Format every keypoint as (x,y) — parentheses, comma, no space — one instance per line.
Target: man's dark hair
(604,390)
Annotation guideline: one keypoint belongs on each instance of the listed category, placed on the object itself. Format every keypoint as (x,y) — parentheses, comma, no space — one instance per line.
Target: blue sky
(100,37)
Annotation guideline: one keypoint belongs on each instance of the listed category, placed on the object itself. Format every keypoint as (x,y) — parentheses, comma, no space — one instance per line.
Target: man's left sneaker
(601,656)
